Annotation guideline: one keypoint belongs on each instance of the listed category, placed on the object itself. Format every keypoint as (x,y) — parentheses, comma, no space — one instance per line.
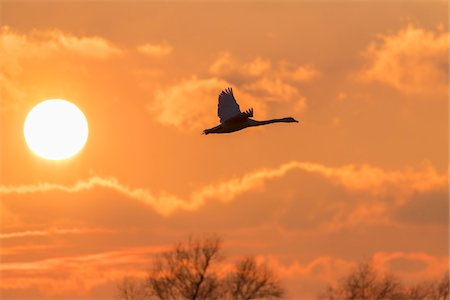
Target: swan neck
(258,123)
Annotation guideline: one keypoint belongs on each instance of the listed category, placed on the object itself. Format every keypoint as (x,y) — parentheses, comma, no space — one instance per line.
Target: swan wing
(228,106)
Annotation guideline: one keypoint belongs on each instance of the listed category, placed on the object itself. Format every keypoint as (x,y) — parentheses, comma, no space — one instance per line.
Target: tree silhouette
(366,283)
(132,288)
(193,270)
(252,281)
(442,289)
(185,272)
(431,290)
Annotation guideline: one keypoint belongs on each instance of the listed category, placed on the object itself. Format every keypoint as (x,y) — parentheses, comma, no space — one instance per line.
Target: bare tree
(132,288)
(443,288)
(252,281)
(365,283)
(191,270)
(431,290)
(185,271)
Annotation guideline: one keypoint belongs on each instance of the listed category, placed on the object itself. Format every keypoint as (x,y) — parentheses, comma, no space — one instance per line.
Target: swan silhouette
(232,119)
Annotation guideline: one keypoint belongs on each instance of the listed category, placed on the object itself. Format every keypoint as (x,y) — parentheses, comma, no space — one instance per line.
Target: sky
(363,175)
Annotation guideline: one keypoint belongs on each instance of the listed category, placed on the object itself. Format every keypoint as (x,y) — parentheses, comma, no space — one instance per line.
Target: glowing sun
(55,129)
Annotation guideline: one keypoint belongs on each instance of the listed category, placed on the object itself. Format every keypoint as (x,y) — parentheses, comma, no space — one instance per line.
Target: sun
(56,129)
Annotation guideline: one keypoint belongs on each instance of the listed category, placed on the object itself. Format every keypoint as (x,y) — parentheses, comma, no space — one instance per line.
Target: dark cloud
(428,208)
(402,264)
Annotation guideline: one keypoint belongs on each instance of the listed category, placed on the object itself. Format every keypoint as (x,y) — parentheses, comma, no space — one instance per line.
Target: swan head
(290,120)
(218,129)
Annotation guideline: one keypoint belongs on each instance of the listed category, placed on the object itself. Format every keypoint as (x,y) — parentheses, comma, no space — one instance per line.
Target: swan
(232,119)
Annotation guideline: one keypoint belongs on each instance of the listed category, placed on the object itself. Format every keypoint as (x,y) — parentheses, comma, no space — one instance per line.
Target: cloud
(79,275)
(425,208)
(413,60)
(74,275)
(268,82)
(406,264)
(366,178)
(303,73)
(192,103)
(26,249)
(43,43)
(229,67)
(155,50)
(272,90)
(309,278)
(371,195)
(7,218)
(425,265)
(21,53)
(52,231)
(379,181)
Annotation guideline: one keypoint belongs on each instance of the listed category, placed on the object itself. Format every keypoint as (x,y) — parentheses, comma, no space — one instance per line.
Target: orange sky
(364,173)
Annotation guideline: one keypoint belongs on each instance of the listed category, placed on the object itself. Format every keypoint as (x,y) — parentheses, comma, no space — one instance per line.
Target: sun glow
(56,129)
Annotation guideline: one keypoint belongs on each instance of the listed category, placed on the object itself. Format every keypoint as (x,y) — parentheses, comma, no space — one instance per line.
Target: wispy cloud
(76,275)
(40,43)
(155,50)
(52,231)
(306,277)
(380,181)
(228,66)
(362,177)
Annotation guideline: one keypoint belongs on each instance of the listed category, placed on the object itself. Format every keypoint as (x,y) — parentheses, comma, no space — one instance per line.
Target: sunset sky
(363,175)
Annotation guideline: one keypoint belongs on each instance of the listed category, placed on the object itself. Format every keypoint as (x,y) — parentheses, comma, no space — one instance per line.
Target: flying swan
(232,119)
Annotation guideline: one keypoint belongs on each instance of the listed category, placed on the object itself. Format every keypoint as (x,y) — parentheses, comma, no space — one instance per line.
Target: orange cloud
(359,178)
(191,104)
(77,275)
(227,66)
(7,218)
(52,231)
(431,266)
(265,81)
(274,90)
(302,73)
(310,278)
(380,181)
(347,216)
(41,43)
(413,60)
(155,50)
(25,249)
(18,50)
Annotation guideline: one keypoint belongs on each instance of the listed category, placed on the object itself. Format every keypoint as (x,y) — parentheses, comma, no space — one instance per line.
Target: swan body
(232,119)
